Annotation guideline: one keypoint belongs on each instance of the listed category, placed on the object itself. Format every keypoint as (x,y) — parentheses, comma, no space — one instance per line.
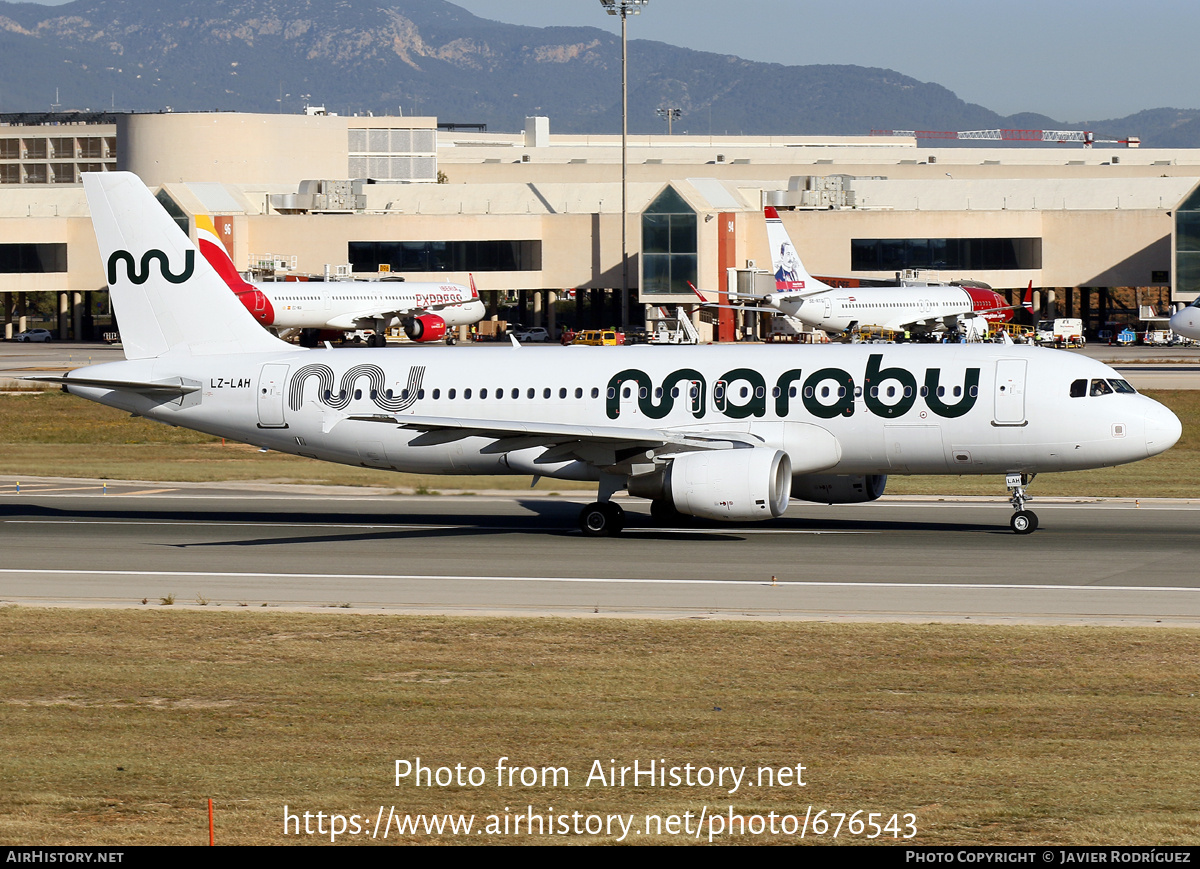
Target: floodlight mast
(671,114)
(624,8)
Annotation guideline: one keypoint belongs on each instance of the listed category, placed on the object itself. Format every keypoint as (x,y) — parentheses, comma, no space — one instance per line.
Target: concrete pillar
(64,316)
(1036,299)
(89,322)
(77,315)
(21,309)
(8,323)
(595,308)
(551,312)
(1051,304)
(537,307)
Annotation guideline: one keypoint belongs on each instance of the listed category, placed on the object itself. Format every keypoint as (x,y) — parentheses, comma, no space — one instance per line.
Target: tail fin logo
(789,270)
(140,276)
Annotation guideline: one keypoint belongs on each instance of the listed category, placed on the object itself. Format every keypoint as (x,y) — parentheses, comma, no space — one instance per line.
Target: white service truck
(1061,332)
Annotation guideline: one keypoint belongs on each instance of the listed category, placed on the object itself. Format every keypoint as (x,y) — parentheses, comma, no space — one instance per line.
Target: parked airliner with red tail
(427,311)
(719,432)
(916,307)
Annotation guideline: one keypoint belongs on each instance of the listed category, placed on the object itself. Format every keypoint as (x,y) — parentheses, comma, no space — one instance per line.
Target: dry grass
(117,726)
(51,434)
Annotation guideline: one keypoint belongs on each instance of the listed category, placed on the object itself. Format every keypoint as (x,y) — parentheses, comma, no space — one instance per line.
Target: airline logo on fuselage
(138,276)
(826,393)
(449,296)
(740,393)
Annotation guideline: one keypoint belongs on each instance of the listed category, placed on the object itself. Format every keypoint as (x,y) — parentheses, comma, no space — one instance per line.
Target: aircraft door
(828,307)
(1010,392)
(270,395)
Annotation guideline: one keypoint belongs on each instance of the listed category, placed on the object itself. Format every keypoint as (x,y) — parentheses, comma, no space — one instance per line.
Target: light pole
(670,114)
(624,8)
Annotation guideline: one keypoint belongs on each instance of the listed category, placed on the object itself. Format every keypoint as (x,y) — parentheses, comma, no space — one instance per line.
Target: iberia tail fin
(167,298)
(218,256)
(790,274)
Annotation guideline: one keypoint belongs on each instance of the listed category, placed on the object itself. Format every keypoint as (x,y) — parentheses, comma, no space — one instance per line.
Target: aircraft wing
(605,447)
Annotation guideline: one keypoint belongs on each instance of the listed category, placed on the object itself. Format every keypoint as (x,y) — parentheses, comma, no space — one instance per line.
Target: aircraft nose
(1163,429)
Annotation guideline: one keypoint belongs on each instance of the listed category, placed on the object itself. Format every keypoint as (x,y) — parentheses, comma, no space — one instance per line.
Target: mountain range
(430,57)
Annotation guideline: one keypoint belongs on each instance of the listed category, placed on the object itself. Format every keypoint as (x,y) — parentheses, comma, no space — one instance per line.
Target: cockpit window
(1079,389)
(1101,387)
(1122,386)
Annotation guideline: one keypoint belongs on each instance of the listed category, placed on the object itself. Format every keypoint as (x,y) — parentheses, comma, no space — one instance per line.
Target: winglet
(474,292)
(1027,302)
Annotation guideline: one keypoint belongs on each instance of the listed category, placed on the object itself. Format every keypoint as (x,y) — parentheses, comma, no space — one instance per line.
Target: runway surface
(911,559)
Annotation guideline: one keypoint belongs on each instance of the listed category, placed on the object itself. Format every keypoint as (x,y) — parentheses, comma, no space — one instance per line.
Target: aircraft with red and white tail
(917,307)
(428,312)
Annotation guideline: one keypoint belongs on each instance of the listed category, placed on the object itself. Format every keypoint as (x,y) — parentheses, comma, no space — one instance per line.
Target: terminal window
(32,259)
(446,256)
(1187,245)
(669,257)
(957,254)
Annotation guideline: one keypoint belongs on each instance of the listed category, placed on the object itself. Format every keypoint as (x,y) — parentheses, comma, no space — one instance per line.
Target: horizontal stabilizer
(174,386)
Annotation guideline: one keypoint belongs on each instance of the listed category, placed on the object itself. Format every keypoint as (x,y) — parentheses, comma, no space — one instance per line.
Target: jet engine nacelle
(732,485)
(427,327)
(838,488)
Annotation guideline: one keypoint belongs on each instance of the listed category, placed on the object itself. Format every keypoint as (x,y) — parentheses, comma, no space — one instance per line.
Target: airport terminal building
(1101,232)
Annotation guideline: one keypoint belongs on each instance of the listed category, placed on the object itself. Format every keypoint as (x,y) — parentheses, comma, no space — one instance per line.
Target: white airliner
(1186,321)
(720,432)
(915,307)
(427,311)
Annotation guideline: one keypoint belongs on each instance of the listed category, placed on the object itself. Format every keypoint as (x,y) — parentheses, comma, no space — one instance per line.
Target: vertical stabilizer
(218,256)
(167,298)
(790,274)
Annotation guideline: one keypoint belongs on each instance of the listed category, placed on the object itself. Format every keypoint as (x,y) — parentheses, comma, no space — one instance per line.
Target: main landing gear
(1022,521)
(604,518)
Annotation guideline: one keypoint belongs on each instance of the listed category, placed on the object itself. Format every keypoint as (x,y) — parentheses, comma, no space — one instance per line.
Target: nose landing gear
(1022,521)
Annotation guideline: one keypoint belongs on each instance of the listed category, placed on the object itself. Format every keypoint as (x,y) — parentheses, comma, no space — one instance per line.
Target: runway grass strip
(52,434)
(118,725)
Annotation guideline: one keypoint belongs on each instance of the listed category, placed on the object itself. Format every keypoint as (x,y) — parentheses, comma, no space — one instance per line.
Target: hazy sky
(1073,61)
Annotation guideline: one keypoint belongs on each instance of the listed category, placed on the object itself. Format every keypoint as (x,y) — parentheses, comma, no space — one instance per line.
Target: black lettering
(951,411)
(646,399)
(844,406)
(138,277)
(875,376)
(756,406)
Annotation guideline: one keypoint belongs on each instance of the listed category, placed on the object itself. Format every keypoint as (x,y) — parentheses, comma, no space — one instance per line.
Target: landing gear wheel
(601,519)
(1024,522)
(451,340)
